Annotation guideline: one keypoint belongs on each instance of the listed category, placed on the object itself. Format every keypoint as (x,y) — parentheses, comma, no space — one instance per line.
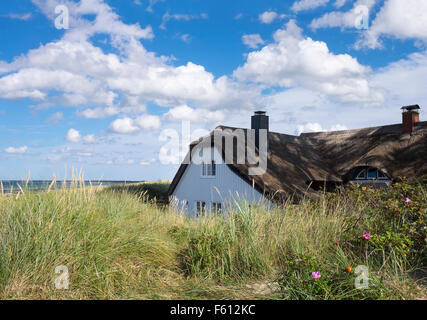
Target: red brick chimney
(410,117)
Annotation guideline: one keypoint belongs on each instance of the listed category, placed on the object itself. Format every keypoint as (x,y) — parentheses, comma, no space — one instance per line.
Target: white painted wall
(225,187)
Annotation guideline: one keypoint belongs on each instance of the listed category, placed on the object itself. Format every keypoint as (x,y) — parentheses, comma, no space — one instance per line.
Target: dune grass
(120,244)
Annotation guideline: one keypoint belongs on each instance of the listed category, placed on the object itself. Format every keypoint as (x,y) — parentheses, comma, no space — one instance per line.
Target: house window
(371,174)
(209,169)
(200,208)
(216,208)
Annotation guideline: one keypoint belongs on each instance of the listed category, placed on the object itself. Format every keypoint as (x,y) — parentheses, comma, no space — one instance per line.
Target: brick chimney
(410,117)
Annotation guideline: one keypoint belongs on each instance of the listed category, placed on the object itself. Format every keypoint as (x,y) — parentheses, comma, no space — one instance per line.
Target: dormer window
(370,173)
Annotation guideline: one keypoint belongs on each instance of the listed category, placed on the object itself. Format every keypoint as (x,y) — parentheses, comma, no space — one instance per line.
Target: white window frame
(215,206)
(208,170)
(200,208)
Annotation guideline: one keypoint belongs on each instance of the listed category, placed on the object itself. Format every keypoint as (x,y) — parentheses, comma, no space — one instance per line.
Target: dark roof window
(370,173)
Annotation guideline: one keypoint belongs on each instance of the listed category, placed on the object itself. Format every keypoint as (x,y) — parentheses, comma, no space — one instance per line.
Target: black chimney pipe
(259,121)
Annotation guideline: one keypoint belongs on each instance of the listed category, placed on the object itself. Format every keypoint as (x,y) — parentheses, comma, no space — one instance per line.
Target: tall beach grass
(120,244)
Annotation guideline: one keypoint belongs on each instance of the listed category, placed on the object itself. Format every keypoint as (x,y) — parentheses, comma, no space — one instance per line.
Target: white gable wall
(225,187)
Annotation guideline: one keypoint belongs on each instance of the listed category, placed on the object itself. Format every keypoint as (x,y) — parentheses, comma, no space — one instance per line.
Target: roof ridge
(340,132)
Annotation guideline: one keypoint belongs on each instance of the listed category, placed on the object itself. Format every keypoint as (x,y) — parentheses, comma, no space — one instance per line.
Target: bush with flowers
(308,279)
(383,229)
(395,218)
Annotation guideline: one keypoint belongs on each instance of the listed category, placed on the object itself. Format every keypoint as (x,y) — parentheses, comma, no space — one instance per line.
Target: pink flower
(316,275)
(366,235)
(407,200)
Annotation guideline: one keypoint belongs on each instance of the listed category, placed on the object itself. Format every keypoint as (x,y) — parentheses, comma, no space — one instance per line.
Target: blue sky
(100,94)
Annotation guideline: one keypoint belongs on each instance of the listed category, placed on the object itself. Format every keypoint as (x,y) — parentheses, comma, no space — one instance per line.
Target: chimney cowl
(259,120)
(411,108)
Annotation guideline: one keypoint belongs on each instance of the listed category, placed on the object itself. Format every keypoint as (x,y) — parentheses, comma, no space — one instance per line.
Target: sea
(40,185)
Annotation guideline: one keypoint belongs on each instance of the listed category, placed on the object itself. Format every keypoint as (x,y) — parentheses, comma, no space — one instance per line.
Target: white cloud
(293,61)
(124,125)
(399,19)
(404,81)
(340,3)
(19,16)
(34,82)
(185,37)
(338,127)
(13,150)
(55,118)
(148,122)
(307,4)
(268,17)
(181,17)
(184,112)
(253,41)
(309,127)
(401,83)
(98,113)
(106,22)
(316,127)
(90,138)
(73,136)
(127,125)
(166,85)
(83,75)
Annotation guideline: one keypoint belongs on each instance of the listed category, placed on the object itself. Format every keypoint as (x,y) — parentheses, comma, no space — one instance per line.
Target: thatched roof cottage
(295,165)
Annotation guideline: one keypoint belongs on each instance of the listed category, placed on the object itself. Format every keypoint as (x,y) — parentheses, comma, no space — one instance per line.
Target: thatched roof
(296,161)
